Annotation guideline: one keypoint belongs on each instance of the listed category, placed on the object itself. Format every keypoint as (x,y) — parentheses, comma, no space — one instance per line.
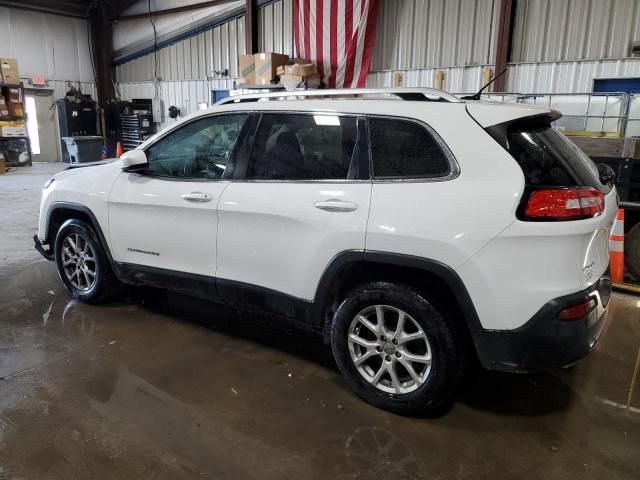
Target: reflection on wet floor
(164,386)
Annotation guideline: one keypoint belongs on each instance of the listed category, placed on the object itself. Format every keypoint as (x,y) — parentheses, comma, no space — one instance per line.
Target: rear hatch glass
(547,158)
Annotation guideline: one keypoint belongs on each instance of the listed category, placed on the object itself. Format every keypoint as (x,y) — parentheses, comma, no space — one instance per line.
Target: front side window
(405,149)
(200,149)
(303,147)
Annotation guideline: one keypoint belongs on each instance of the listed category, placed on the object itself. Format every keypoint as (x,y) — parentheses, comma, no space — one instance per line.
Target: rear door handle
(335,205)
(197,197)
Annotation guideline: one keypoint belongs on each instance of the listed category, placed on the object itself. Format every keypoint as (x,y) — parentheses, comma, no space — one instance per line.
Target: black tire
(105,284)
(632,251)
(436,394)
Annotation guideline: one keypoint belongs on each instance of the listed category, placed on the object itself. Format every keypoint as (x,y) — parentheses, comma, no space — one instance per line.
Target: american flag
(338,36)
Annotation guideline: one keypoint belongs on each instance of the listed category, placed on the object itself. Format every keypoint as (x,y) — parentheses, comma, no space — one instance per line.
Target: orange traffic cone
(119,151)
(616,248)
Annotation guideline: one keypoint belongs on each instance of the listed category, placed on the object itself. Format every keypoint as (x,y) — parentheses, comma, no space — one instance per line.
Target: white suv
(414,230)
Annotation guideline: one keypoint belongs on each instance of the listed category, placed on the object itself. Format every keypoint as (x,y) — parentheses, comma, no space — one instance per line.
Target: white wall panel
(50,45)
(457,79)
(275,28)
(547,77)
(414,34)
(130,35)
(194,58)
(554,30)
(567,77)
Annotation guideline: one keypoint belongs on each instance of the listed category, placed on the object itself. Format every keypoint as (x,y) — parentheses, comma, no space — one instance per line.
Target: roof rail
(415,94)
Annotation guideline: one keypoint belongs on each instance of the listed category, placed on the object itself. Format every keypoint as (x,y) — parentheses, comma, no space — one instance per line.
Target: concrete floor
(19,205)
(163,386)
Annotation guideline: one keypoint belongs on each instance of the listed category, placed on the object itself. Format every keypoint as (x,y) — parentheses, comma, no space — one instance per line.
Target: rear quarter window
(547,158)
(406,149)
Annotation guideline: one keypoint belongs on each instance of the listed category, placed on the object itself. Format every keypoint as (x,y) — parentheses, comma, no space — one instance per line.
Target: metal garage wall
(195,58)
(275,27)
(189,69)
(554,30)
(130,36)
(548,77)
(456,79)
(186,95)
(414,34)
(50,45)
(567,77)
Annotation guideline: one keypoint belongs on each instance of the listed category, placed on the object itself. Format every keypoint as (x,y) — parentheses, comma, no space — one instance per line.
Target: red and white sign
(38,81)
(338,36)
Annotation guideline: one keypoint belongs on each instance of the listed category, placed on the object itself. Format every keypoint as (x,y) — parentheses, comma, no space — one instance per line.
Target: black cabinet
(77,118)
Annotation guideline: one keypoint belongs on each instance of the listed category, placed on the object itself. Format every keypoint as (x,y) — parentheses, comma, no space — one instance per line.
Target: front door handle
(335,205)
(197,197)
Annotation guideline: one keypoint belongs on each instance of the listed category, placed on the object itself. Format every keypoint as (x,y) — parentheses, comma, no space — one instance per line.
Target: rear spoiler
(499,131)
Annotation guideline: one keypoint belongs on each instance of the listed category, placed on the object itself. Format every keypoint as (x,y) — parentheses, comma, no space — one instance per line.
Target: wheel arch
(61,212)
(351,268)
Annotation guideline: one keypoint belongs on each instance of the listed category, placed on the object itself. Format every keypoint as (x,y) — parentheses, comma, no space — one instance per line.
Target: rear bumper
(545,341)
(46,253)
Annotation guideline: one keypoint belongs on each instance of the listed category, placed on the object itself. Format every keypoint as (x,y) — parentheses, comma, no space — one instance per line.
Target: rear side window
(303,147)
(405,149)
(547,158)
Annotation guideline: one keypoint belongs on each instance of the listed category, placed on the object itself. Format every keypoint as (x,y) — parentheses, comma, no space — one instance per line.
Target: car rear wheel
(82,263)
(396,349)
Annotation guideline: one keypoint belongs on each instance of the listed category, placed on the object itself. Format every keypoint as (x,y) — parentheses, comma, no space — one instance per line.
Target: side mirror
(133,158)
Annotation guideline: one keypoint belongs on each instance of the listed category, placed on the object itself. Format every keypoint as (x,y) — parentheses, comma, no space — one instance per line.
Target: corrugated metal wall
(195,58)
(417,37)
(555,30)
(567,77)
(187,68)
(414,34)
(275,27)
(549,77)
(49,45)
(130,36)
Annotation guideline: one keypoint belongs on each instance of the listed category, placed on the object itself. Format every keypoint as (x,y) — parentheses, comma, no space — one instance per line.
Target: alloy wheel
(389,349)
(79,262)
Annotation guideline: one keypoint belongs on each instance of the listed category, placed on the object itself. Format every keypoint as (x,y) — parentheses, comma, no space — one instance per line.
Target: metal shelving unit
(5,140)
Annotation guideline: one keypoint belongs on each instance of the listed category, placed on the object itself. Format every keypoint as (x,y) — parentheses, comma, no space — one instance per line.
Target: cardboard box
(266,66)
(9,69)
(14,95)
(298,69)
(3,165)
(13,132)
(15,109)
(313,81)
(13,129)
(247,68)
(291,78)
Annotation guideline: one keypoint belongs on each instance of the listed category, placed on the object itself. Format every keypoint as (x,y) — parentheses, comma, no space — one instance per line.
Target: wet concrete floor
(163,387)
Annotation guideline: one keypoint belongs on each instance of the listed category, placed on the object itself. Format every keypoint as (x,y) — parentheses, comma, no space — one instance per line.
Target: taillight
(565,204)
(578,311)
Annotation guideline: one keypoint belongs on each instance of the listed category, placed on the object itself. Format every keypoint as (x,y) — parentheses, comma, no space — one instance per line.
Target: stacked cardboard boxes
(9,74)
(260,69)
(12,128)
(299,73)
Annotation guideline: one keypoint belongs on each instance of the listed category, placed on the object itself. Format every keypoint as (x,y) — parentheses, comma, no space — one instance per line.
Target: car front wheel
(82,263)
(396,349)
